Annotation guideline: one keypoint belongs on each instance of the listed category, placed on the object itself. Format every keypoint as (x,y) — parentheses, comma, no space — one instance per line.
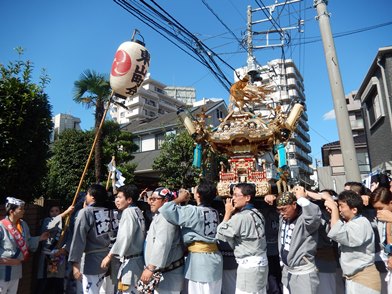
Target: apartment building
(150,101)
(62,122)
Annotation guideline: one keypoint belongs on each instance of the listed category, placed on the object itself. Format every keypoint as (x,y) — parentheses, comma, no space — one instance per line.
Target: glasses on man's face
(152,199)
(237,195)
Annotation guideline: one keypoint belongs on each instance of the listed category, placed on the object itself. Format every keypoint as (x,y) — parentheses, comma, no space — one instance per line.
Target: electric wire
(198,50)
(221,21)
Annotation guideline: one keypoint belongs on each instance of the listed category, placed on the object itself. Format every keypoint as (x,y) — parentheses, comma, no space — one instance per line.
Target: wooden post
(67,221)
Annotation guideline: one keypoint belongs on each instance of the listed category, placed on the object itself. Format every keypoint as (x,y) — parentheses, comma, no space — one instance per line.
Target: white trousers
(92,283)
(204,288)
(356,288)
(263,291)
(166,292)
(107,286)
(10,287)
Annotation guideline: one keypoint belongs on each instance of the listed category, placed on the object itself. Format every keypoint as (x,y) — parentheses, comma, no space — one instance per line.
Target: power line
(154,16)
(221,21)
(336,35)
(349,33)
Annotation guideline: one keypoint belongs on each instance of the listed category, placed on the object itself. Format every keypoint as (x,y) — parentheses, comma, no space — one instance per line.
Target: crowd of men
(299,242)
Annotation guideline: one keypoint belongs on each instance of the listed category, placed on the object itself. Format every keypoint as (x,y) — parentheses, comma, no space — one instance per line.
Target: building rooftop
(166,121)
(360,139)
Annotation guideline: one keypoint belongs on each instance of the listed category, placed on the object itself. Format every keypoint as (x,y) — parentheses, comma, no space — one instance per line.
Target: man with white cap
(164,251)
(15,244)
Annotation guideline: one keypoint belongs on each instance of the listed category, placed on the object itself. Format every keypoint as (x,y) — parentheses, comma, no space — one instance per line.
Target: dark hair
(381,194)
(352,199)
(247,189)
(348,183)
(358,187)
(381,179)
(99,193)
(9,207)
(330,192)
(54,205)
(129,191)
(207,192)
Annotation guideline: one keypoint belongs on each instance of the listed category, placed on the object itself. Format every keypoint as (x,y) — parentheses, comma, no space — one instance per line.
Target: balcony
(299,153)
(292,72)
(291,94)
(303,124)
(298,140)
(357,124)
(294,163)
(294,83)
(303,133)
(170,107)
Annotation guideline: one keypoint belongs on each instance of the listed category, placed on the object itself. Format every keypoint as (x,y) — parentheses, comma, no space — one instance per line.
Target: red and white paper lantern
(130,66)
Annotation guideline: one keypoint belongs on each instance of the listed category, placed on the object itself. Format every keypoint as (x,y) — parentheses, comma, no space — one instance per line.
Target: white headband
(15,201)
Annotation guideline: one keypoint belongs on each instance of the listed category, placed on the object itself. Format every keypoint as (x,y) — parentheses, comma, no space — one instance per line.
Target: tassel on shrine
(281,151)
(197,155)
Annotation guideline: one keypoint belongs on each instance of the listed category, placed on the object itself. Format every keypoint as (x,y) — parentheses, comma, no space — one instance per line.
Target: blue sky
(69,37)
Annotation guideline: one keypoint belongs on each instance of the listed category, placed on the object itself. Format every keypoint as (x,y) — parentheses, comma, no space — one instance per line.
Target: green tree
(175,162)
(93,90)
(69,155)
(25,126)
(66,165)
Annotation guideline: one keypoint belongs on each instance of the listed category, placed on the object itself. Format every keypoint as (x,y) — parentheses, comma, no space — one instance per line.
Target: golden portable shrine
(245,136)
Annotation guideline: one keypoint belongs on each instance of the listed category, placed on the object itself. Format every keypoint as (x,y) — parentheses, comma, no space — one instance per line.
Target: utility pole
(339,100)
(251,61)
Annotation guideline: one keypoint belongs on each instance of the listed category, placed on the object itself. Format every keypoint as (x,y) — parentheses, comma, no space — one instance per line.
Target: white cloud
(330,115)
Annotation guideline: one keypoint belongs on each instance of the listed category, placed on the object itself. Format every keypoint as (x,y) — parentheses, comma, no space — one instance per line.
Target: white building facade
(150,101)
(62,122)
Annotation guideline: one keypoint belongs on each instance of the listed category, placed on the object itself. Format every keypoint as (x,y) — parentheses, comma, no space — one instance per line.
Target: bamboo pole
(68,219)
(107,181)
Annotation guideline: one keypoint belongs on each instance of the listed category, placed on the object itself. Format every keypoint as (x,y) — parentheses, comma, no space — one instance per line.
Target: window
(363,162)
(159,90)
(150,102)
(372,100)
(138,142)
(373,107)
